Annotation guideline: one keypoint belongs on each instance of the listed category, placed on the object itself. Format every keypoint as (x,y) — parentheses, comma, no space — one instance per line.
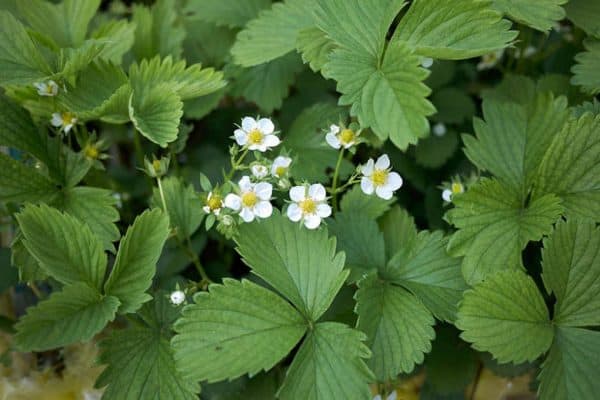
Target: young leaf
(571,270)
(239,328)
(453,30)
(494,227)
(65,247)
(273,33)
(541,15)
(19,183)
(136,260)
(301,264)
(184,206)
(231,13)
(329,366)
(120,34)
(506,315)
(74,314)
(398,325)
(585,71)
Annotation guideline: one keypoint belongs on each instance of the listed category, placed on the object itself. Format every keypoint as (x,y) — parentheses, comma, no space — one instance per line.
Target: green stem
(36,291)
(139,152)
(162,195)
(336,174)
(236,164)
(195,259)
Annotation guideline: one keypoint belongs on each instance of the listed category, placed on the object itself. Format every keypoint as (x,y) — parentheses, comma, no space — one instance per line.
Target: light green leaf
(21,62)
(76,59)
(585,14)
(231,13)
(585,72)
(184,206)
(144,351)
(358,236)
(539,14)
(239,328)
(506,315)
(136,260)
(571,270)
(65,247)
(571,167)
(399,231)
(429,273)
(299,263)
(494,227)
(74,314)
(514,138)
(453,31)
(329,366)
(570,370)
(273,33)
(372,206)
(19,183)
(399,327)
(119,38)
(158,30)
(315,47)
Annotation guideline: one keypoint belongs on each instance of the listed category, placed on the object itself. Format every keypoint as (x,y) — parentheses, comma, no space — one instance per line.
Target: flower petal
(323,210)
(334,129)
(245,184)
(263,209)
(247,214)
(384,192)
(394,181)
(447,195)
(383,162)
(265,125)
(298,193)
(263,190)
(332,140)
(241,137)
(56,120)
(271,141)
(294,212)
(233,201)
(366,185)
(248,124)
(312,221)
(317,192)
(367,169)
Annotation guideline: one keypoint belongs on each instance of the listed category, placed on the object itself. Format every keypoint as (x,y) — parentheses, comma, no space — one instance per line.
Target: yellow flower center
(214,203)
(308,206)
(49,89)
(457,188)
(68,118)
(249,199)
(280,171)
(255,137)
(346,136)
(379,177)
(156,165)
(91,152)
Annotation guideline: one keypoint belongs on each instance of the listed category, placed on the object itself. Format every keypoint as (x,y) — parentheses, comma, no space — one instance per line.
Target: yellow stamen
(249,199)
(68,118)
(379,177)
(214,202)
(91,151)
(255,137)
(457,188)
(346,136)
(280,171)
(49,89)
(156,165)
(308,206)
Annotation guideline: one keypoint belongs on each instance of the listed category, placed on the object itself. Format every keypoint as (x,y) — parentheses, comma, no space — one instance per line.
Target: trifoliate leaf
(21,62)
(585,72)
(239,328)
(569,371)
(158,30)
(453,31)
(74,314)
(399,327)
(299,263)
(358,236)
(140,360)
(506,315)
(541,15)
(184,206)
(315,47)
(280,74)
(571,270)
(429,273)
(94,207)
(399,231)
(273,33)
(371,206)
(232,13)
(494,226)
(585,14)
(571,167)
(119,35)
(514,138)
(329,366)
(19,183)
(136,260)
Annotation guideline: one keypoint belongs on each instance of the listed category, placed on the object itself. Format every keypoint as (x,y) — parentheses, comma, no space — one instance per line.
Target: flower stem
(195,259)
(162,195)
(336,174)
(236,164)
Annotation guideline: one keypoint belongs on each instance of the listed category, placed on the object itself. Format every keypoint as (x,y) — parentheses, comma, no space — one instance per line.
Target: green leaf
(184,206)
(231,13)
(239,328)
(398,325)
(74,314)
(540,15)
(158,30)
(329,366)
(8,274)
(399,231)
(435,151)
(429,273)
(372,206)
(585,72)
(19,183)
(119,35)
(359,238)
(136,260)
(76,59)
(21,62)
(571,270)
(571,167)
(299,263)
(207,43)
(569,371)
(506,315)
(29,268)
(65,247)
(494,226)
(453,31)
(315,47)
(514,138)
(144,352)
(273,33)
(585,14)
(453,105)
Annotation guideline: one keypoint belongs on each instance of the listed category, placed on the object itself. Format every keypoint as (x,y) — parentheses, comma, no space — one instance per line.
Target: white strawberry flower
(47,89)
(253,200)
(280,166)
(256,134)
(391,396)
(65,121)
(439,129)
(490,60)
(177,297)
(426,62)
(259,171)
(213,204)
(455,188)
(338,137)
(378,178)
(309,205)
